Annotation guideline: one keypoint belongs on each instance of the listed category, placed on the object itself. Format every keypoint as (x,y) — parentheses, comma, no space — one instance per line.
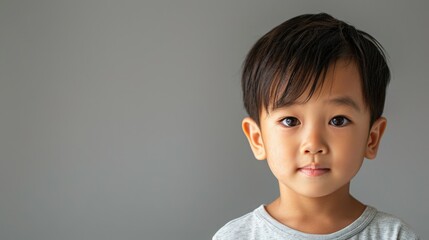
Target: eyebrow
(345,101)
(339,101)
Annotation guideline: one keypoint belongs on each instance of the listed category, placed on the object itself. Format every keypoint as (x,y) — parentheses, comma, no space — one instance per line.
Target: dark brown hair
(295,56)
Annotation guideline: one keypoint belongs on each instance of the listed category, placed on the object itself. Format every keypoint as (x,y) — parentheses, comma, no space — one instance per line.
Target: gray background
(121,119)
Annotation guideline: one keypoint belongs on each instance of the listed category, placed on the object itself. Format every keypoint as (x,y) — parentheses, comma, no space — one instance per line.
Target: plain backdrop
(122,119)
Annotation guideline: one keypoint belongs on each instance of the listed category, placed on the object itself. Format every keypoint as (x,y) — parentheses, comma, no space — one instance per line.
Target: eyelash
(282,121)
(345,122)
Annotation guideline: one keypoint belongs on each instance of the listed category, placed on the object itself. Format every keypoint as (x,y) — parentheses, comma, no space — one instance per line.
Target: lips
(313,171)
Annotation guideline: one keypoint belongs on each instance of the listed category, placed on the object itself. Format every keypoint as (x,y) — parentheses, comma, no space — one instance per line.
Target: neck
(337,210)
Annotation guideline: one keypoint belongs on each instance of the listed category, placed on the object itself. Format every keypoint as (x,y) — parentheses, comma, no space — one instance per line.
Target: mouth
(313,171)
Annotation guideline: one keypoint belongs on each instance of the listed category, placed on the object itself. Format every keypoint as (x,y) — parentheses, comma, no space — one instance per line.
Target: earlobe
(254,136)
(374,138)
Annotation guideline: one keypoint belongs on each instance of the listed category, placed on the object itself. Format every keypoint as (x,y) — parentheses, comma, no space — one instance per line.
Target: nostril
(314,152)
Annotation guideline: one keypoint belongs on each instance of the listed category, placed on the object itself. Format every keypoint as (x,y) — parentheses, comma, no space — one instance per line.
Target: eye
(290,121)
(339,121)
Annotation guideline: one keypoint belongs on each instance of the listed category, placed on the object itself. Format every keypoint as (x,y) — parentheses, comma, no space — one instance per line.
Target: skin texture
(315,148)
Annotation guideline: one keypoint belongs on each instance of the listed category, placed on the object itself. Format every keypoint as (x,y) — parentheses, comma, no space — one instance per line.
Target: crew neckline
(345,233)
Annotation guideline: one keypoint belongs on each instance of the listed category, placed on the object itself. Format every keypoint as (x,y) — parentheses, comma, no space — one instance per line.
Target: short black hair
(295,56)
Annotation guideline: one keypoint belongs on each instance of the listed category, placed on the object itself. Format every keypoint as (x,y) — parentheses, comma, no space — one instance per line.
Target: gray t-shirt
(372,224)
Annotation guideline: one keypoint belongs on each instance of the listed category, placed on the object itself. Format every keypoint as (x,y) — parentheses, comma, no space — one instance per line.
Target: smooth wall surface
(122,119)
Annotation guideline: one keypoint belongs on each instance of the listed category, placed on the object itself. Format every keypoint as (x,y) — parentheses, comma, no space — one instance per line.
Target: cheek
(280,147)
(350,152)
(281,155)
(352,142)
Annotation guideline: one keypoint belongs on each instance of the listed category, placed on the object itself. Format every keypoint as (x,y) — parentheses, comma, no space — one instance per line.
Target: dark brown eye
(339,121)
(290,121)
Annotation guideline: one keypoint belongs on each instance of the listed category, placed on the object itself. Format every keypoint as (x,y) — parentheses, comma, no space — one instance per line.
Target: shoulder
(240,228)
(388,226)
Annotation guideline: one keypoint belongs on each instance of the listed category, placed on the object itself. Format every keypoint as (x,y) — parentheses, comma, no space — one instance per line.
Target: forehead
(342,83)
(342,78)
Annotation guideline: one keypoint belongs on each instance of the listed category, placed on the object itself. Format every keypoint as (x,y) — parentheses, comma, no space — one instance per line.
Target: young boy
(314,89)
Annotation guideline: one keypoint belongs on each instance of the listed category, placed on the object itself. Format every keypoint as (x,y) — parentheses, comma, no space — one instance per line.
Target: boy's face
(315,148)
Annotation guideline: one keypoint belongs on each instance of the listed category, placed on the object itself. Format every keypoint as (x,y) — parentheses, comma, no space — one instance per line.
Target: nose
(314,142)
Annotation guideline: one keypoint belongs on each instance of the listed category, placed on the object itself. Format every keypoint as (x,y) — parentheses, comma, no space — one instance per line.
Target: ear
(374,137)
(254,136)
